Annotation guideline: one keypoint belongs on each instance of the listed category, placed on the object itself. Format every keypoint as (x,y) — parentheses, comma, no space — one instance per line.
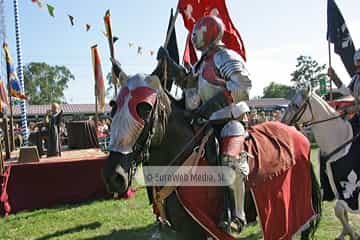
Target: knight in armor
(352,89)
(216,89)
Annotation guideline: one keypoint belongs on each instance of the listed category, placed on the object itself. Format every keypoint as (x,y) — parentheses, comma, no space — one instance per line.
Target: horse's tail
(316,201)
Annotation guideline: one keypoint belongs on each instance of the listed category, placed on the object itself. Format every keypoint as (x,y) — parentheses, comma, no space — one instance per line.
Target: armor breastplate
(209,82)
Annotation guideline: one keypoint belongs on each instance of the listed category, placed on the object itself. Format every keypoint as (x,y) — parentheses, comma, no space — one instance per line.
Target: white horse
(334,135)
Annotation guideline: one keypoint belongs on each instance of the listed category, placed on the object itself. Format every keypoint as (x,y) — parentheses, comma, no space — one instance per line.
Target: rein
(311,123)
(324,120)
(142,145)
(302,110)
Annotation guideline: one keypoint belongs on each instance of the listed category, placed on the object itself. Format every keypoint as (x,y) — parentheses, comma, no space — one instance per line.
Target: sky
(275,33)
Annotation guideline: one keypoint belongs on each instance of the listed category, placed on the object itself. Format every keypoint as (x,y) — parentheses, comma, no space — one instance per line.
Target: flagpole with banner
(24,129)
(11,120)
(99,81)
(171,28)
(192,11)
(329,52)
(108,29)
(339,35)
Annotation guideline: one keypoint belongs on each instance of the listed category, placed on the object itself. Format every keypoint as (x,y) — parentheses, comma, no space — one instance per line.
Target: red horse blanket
(280,180)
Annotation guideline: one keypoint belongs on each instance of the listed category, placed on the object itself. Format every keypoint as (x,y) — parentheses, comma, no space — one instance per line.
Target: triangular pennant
(115,39)
(139,51)
(72,20)
(51,10)
(87,26)
(38,2)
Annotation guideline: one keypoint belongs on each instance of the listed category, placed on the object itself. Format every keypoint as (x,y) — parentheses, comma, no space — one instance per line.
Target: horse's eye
(144,110)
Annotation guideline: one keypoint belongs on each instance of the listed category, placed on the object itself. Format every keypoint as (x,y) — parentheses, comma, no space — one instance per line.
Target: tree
(307,71)
(45,84)
(110,86)
(276,90)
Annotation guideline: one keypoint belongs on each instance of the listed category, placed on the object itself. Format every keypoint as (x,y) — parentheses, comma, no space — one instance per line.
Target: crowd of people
(259,116)
(51,134)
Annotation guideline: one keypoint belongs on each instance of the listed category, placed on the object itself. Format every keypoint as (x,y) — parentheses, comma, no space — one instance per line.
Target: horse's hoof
(156,236)
(357,237)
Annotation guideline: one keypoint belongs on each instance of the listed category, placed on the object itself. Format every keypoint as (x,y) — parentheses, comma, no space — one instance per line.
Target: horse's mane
(326,107)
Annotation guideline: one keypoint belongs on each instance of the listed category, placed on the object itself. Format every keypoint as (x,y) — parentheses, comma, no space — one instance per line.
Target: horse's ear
(118,73)
(308,89)
(154,82)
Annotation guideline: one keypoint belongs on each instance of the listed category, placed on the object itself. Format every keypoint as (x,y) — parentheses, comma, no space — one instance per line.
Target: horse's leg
(316,201)
(186,228)
(342,215)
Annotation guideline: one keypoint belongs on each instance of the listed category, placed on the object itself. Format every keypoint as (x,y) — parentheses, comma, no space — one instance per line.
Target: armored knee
(232,154)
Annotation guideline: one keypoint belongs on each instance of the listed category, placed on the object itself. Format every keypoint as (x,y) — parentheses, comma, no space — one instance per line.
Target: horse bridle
(309,123)
(142,145)
(298,115)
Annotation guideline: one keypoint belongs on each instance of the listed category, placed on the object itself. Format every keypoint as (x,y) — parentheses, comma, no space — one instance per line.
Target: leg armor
(232,139)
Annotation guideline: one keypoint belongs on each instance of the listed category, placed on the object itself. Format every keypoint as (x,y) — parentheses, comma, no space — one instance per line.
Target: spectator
(262,117)
(276,115)
(54,119)
(253,117)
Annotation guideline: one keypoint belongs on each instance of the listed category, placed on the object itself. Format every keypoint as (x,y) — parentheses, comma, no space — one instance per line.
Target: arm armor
(232,68)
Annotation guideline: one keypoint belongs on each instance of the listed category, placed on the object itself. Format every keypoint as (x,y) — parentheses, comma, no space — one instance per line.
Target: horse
(151,127)
(339,151)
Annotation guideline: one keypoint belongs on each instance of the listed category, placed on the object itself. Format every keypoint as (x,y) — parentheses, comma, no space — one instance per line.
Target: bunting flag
(38,2)
(51,10)
(338,34)
(192,10)
(99,78)
(72,20)
(139,51)
(108,29)
(152,52)
(15,87)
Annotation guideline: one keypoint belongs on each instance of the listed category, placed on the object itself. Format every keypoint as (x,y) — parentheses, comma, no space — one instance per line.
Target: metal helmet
(207,31)
(357,56)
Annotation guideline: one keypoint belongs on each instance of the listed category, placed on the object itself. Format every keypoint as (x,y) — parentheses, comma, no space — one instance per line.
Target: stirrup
(236,225)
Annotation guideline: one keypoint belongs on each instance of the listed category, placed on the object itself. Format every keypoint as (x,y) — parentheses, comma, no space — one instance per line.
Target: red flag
(99,78)
(3,95)
(190,57)
(192,10)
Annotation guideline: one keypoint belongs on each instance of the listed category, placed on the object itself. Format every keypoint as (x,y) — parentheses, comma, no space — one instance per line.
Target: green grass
(119,219)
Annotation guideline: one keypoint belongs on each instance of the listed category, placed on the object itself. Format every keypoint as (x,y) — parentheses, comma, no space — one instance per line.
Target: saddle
(271,150)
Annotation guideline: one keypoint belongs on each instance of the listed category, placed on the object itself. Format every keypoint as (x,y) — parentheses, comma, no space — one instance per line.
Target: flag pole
(108,29)
(168,34)
(11,120)
(167,39)
(329,52)
(24,129)
(96,110)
